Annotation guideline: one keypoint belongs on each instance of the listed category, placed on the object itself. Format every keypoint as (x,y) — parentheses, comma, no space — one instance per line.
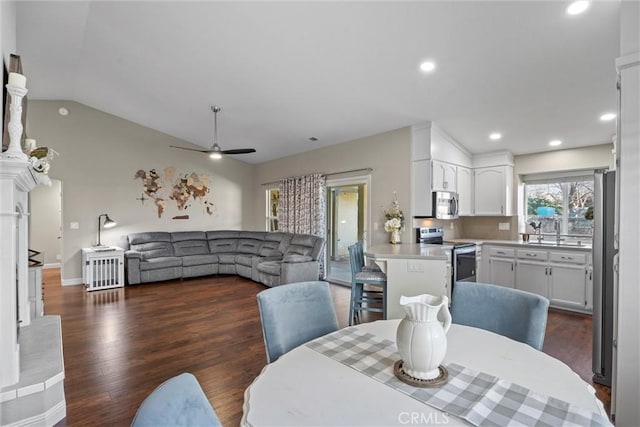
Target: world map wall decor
(183,189)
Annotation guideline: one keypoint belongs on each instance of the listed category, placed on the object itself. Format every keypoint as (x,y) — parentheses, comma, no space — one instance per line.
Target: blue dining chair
(294,314)
(177,402)
(371,298)
(515,314)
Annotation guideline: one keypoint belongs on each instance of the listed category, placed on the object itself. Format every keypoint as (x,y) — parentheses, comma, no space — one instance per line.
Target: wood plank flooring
(120,344)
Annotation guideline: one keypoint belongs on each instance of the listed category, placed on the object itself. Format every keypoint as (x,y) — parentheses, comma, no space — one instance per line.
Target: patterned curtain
(302,207)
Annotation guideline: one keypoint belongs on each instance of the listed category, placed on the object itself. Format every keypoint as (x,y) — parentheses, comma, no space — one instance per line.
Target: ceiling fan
(215,152)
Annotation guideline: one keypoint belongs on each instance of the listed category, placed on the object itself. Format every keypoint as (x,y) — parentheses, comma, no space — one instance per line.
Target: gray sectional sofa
(269,258)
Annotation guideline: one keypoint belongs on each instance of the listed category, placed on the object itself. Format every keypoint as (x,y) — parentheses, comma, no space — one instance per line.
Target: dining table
(347,378)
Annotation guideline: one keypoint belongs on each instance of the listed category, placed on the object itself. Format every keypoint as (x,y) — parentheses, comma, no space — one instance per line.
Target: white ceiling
(284,72)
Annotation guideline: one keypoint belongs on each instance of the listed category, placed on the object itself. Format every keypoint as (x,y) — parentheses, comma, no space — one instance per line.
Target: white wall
(99,155)
(388,154)
(45,215)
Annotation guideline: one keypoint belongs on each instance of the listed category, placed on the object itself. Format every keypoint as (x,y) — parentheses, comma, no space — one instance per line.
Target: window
(272,196)
(568,200)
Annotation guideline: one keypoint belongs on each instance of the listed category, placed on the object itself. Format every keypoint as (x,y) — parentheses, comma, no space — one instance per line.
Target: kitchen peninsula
(412,269)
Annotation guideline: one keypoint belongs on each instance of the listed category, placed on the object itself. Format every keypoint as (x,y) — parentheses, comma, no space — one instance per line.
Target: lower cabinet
(567,286)
(532,277)
(564,277)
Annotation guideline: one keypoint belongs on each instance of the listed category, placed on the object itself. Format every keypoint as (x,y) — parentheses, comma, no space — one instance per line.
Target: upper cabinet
(464,180)
(492,189)
(484,182)
(444,176)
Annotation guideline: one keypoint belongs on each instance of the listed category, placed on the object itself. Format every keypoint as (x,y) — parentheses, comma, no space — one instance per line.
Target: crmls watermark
(420,418)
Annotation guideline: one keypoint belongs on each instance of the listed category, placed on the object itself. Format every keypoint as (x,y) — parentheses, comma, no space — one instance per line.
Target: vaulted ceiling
(287,71)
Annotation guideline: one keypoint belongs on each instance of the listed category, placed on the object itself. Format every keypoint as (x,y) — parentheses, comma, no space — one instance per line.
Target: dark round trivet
(398,370)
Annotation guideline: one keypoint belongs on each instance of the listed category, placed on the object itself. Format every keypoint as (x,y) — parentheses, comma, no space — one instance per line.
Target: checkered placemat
(479,398)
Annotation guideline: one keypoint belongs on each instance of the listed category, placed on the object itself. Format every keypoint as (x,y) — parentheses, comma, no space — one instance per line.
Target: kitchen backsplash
(472,227)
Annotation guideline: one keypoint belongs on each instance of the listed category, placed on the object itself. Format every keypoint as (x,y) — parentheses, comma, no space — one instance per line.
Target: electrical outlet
(58,257)
(74,226)
(376,225)
(504,226)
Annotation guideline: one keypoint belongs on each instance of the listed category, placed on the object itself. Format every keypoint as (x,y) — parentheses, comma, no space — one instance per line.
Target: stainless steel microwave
(445,205)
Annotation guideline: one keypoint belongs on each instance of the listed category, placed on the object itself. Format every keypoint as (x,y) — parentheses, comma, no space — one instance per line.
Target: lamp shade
(108,223)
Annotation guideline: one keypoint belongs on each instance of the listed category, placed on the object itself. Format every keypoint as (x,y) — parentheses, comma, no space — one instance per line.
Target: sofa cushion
(245,259)
(270,267)
(154,236)
(181,236)
(162,262)
(191,260)
(226,258)
(154,250)
(249,246)
(222,234)
(217,246)
(191,247)
(296,258)
(256,235)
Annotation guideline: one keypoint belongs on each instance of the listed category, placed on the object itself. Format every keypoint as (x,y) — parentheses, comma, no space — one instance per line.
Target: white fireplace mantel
(27,392)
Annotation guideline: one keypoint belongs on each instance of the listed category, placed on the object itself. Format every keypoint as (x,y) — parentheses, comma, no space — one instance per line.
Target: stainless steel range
(463,255)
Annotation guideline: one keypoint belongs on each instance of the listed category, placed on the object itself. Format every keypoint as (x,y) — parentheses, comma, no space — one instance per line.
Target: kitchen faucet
(556,227)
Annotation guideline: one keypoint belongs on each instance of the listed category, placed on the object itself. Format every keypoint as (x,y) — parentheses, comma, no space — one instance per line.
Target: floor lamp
(108,223)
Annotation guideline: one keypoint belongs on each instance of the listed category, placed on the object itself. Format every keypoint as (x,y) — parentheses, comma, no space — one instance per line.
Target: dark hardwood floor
(120,344)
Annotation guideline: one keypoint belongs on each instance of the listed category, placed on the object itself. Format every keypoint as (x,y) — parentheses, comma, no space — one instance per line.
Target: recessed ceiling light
(608,116)
(577,7)
(63,111)
(427,66)
(495,136)
(555,143)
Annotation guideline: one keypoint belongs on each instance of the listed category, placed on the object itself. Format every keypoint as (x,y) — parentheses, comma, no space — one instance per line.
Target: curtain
(302,208)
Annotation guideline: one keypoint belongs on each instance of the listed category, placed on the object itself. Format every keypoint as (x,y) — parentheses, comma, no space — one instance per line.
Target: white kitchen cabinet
(443,176)
(421,200)
(501,265)
(568,285)
(532,276)
(464,179)
(492,190)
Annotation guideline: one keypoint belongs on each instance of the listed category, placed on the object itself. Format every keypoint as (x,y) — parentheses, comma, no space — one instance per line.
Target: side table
(102,267)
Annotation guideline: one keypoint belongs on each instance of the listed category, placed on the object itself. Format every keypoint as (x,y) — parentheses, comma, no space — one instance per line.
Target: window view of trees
(570,202)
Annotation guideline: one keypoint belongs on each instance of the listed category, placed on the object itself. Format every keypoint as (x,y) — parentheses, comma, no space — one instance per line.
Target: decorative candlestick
(17,92)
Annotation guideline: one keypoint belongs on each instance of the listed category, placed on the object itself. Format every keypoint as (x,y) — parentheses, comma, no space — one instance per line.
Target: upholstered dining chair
(515,314)
(177,402)
(294,314)
(365,298)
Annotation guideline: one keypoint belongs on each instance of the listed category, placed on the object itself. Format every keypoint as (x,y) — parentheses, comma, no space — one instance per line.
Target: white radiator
(103,268)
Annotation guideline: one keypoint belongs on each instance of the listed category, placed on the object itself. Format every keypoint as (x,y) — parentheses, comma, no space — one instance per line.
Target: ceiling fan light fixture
(215,155)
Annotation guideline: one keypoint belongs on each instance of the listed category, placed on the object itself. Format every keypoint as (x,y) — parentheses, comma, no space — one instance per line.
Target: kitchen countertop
(585,247)
(408,251)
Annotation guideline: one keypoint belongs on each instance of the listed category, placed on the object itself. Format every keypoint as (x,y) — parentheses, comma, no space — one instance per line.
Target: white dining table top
(307,388)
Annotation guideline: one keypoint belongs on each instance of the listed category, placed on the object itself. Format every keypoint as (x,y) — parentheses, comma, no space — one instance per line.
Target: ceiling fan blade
(239,151)
(191,149)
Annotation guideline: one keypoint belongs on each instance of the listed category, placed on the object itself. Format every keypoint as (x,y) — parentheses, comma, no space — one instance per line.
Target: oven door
(464,264)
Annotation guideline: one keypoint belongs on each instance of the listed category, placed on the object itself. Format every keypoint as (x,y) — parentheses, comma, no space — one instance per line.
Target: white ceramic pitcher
(421,338)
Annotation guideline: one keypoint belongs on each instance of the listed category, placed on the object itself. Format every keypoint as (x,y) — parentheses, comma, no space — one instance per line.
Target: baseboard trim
(52,265)
(70,282)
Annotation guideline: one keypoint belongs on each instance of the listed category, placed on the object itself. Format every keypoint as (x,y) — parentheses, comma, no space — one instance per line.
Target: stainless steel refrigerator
(604,275)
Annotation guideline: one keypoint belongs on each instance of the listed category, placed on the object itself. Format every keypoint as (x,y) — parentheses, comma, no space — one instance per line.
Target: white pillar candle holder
(14,151)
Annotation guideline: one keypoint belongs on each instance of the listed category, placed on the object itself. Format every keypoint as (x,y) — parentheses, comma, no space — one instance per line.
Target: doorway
(45,222)
(347,223)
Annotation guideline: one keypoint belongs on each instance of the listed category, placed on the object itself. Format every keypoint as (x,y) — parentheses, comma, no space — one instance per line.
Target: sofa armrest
(130,254)
(295,258)
(132,267)
(293,272)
